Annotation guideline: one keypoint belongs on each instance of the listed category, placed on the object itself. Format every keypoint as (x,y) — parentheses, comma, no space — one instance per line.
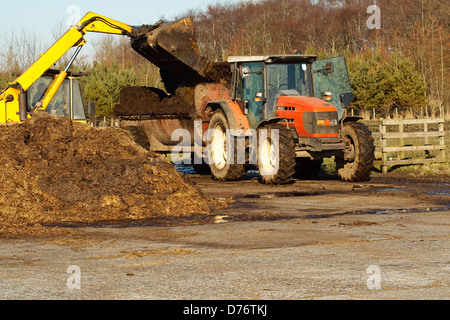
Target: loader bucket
(172,47)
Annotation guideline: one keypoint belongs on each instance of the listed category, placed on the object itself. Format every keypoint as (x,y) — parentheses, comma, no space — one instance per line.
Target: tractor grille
(320,122)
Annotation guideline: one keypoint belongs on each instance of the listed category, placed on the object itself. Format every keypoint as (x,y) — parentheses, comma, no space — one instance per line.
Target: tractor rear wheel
(276,154)
(218,154)
(356,162)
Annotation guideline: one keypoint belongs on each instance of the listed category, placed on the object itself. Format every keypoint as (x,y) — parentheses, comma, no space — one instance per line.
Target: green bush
(103,85)
(385,81)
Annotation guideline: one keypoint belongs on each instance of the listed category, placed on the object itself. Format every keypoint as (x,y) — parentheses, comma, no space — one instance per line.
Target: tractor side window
(252,85)
(77,101)
(37,90)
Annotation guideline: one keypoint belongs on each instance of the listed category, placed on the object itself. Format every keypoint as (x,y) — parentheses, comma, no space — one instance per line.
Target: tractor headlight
(327,122)
(327,96)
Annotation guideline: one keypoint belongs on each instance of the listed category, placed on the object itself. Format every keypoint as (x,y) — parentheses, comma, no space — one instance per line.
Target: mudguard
(235,117)
(270,121)
(350,119)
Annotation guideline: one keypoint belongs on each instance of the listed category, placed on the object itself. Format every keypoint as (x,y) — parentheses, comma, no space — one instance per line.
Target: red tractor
(295,106)
(282,113)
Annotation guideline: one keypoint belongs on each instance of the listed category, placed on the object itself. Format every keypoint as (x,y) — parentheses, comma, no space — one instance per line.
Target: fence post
(402,140)
(442,138)
(384,167)
(425,129)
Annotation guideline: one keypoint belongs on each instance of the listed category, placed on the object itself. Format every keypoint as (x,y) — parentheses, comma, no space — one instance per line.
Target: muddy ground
(387,238)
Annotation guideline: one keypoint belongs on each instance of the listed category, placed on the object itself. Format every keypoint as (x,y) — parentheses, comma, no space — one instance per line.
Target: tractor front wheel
(276,154)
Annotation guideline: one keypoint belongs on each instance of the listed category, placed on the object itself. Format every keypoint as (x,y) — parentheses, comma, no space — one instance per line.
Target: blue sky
(43,18)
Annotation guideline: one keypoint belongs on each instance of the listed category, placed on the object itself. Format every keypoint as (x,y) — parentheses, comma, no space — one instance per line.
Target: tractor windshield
(286,79)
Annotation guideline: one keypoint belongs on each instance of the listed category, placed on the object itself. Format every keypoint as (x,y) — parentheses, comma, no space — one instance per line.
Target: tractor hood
(305,104)
(310,117)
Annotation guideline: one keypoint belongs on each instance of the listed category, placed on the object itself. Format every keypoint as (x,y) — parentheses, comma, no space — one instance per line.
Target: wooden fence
(406,142)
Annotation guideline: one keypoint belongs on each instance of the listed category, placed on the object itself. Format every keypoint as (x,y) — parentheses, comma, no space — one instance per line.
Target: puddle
(438,189)
(174,222)
(186,169)
(222,218)
(288,194)
(372,212)
(148,222)
(444,192)
(189,169)
(391,189)
(446,184)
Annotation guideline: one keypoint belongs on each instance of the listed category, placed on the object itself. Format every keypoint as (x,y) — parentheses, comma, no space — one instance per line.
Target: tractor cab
(67,102)
(262,83)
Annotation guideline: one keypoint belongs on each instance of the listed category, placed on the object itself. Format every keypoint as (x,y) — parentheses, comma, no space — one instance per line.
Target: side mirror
(91,109)
(329,67)
(346,98)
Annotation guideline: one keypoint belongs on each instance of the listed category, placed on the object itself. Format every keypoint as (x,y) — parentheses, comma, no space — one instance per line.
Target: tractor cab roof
(289,58)
(54,72)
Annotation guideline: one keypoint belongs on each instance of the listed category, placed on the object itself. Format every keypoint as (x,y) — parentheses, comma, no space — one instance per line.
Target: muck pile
(57,173)
(150,103)
(147,101)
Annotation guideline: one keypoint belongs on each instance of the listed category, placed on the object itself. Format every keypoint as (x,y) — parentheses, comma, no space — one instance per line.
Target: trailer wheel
(356,162)
(218,154)
(276,154)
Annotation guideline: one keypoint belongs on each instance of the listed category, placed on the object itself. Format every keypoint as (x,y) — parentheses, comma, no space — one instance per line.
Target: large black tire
(356,162)
(306,168)
(221,169)
(276,157)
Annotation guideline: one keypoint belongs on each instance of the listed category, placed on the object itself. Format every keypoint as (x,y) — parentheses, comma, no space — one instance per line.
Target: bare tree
(22,50)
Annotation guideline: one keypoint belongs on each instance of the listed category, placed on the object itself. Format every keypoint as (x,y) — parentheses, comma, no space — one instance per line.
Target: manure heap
(149,103)
(57,173)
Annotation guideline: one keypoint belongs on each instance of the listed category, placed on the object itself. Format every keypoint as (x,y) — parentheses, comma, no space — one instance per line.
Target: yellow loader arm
(13,99)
